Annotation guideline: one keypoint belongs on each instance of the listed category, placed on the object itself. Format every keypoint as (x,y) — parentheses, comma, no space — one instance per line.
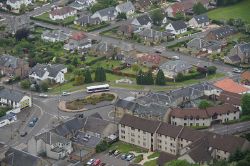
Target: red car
(97,162)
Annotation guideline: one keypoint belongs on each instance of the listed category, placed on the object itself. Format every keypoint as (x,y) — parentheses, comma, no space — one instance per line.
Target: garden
(3,110)
(90,28)
(89,100)
(45,18)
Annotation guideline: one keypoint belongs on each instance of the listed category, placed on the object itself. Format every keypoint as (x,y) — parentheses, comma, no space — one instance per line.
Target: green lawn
(240,10)
(150,163)
(107,64)
(155,154)
(45,17)
(126,148)
(131,71)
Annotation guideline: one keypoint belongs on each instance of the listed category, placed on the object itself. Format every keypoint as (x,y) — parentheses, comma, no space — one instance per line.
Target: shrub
(102,146)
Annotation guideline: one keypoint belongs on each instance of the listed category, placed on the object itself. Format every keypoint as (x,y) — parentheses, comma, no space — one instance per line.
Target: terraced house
(186,143)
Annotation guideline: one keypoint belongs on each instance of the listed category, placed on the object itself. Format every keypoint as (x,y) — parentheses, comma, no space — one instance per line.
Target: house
(127,30)
(7,119)
(15,157)
(230,98)
(87,20)
(81,4)
(142,5)
(104,49)
(107,14)
(199,21)
(245,77)
(220,33)
(54,36)
(127,8)
(61,13)
(172,68)
(203,45)
(16,4)
(150,60)
(240,54)
(229,85)
(151,35)
(13,98)
(143,21)
(11,66)
(177,27)
(178,140)
(77,40)
(53,72)
(204,117)
(50,144)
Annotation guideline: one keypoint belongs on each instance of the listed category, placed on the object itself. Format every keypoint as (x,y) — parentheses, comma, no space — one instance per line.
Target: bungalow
(62,13)
(78,40)
(151,35)
(11,66)
(150,60)
(107,14)
(199,21)
(54,72)
(87,20)
(16,4)
(239,54)
(50,144)
(126,7)
(220,33)
(14,99)
(177,27)
(54,36)
(143,21)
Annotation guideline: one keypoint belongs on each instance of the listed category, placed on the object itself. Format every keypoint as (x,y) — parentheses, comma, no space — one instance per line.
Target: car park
(90,162)
(23,134)
(111,152)
(124,156)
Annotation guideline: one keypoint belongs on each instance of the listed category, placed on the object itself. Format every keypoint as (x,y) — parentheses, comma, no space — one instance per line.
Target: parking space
(111,160)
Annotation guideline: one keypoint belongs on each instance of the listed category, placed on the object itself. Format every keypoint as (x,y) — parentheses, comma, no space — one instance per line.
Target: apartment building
(185,142)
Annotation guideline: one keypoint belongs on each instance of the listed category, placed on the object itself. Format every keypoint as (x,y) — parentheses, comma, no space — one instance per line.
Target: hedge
(95,60)
(50,21)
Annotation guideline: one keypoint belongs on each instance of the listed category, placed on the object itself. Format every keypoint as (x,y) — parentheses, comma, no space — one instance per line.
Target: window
(132,128)
(123,137)
(197,124)
(132,140)
(122,131)
(122,125)
(191,124)
(144,132)
(132,134)
(185,124)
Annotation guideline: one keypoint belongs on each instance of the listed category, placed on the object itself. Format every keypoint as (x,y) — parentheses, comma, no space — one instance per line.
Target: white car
(236,70)
(90,162)
(176,57)
(65,93)
(43,95)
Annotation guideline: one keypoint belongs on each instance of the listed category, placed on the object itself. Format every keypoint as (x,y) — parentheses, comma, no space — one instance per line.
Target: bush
(102,146)
(25,84)
(138,158)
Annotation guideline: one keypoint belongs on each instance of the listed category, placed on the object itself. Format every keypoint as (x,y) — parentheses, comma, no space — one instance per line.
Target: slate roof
(151,33)
(139,123)
(9,61)
(110,12)
(144,19)
(234,58)
(199,43)
(56,34)
(10,94)
(178,25)
(62,11)
(53,69)
(16,157)
(176,66)
(203,18)
(88,20)
(223,32)
(126,7)
(51,138)
(144,3)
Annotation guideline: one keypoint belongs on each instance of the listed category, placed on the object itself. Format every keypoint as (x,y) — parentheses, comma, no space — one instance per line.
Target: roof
(51,138)
(143,3)
(245,76)
(178,25)
(164,158)
(53,69)
(230,98)
(56,34)
(169,130)
(191,134)
(15,157)
(9,61)
(229,85)
(234,58)
(88,20)
(140,123)
(126,7)
(110,12)
(245,48)
(203,18)
(176,66)
(151,33)
(144,19)
(223,32)
(11,94)
(78,36)
(62,11)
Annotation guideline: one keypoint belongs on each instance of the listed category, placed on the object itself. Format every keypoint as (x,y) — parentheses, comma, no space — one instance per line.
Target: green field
(240,10)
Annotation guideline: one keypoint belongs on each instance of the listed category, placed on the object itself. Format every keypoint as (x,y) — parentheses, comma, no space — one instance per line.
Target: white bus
(98,88)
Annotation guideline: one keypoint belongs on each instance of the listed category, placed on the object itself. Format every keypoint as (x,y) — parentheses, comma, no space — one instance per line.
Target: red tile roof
(245,76)
(230,86)
(78,36)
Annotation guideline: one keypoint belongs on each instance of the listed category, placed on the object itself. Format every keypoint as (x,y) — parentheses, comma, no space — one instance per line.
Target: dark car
(35,119)
(111,152)
(124,156)
(23,134)
(158,52)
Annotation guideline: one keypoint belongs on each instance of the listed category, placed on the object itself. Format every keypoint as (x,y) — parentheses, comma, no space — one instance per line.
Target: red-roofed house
(150,60)
(62,13)
(78,36)
(231,86)
(245,77)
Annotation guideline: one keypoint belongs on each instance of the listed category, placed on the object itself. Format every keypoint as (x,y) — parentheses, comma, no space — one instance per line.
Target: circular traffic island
(88,102)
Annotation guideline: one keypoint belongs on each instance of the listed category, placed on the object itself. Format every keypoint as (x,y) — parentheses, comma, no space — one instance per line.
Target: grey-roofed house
(172,68)
(220,33)
(127,8)
(81,4)
(11,66)
(152,35)
(87,20)
(15,157)
(53,72)
(239,54)
(14,98)
(54,36)
(143,21)
(199,21)
(52,145)
(177,27)
(107,14)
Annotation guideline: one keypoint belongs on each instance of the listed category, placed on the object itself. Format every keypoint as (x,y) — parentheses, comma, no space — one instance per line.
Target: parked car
(90,162)
(43,95)
(124,156)
(112,152)
(31,124)
(65,93)
(130,157)
(96,162)
(176,57)
(23,134)
(117,152)
(157,51)
(35,119)
(236,70)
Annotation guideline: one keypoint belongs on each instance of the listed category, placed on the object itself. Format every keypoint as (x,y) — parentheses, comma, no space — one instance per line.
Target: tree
(22,8)
(88,78)
(179,16)
(179,77)
(199,8)
(100,74)
(204,104)
(79,80)
(25,84)
(22,34)
(102,146)
(211,69)
(245,104)
(160,78)
(148,78)
(44,86)
(139,77)
(157,17)
(75,61)
(122,16)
